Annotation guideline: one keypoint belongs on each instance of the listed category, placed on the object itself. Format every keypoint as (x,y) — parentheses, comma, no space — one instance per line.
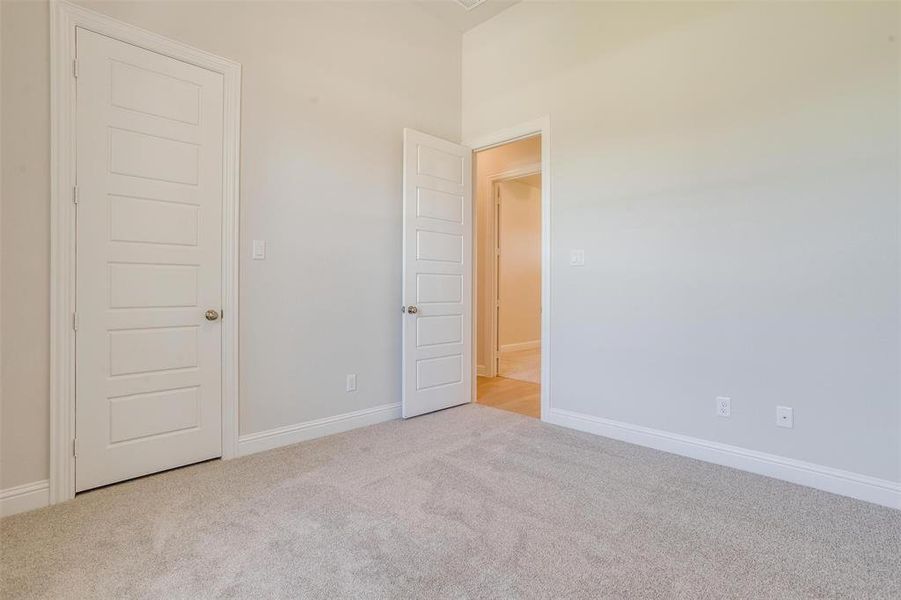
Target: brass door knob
(211,315)
(412,310)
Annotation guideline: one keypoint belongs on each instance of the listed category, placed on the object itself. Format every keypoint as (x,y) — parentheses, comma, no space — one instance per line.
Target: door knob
(211,315)
(412,310)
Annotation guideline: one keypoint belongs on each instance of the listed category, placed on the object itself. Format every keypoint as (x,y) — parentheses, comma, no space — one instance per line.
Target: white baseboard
(24,497)
(521,346)
(836,481)
(292,434)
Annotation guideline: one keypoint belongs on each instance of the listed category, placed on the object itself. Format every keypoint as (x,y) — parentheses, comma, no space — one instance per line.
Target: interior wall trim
(844,483)
(308,430)
(22,498)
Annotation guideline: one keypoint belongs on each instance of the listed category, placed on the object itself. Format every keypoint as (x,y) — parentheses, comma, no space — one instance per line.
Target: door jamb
(478,142)
(64,18)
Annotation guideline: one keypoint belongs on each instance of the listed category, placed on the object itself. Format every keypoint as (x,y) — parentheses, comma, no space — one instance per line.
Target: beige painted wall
(731,171)
(519,273)
(328,87)
(25,251)
(489,163)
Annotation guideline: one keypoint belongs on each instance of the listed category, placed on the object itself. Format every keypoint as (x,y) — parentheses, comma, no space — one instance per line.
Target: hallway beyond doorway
(522,365)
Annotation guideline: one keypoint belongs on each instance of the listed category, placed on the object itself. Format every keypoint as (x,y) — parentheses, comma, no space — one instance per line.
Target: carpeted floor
(471,502)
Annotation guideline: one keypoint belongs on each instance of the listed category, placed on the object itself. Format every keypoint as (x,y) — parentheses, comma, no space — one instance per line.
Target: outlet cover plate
(723,406)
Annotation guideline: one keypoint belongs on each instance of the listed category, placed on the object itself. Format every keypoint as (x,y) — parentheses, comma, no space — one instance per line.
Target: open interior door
(437,274)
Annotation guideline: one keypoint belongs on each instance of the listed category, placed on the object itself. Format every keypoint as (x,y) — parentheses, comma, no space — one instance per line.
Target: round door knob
(412,310)
(211,315)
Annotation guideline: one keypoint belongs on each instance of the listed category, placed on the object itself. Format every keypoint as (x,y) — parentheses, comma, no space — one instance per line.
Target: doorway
(148,284)
(144,315)
(450,286)
(508,265)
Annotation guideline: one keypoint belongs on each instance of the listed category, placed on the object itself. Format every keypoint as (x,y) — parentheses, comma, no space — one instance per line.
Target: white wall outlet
(351,384)
(785,416)
(259,249)
(723,406)
(577,258)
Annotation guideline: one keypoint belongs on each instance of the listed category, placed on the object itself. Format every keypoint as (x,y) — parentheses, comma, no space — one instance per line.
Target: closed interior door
(148,268)
(437,274)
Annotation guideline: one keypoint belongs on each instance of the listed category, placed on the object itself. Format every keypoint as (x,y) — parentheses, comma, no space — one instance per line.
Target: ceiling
(456,16)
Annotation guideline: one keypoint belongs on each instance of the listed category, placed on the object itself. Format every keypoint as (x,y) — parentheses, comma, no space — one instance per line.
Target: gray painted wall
(327,89)
(731,171)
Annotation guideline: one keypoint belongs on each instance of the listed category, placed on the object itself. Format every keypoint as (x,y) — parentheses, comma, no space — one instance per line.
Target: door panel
(138,416)
(148,261)
(150,157)
(437,352)
(152,221)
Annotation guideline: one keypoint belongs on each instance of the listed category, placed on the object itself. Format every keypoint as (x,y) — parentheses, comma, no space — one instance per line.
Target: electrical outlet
(723,406)
(351,385)
(785,416)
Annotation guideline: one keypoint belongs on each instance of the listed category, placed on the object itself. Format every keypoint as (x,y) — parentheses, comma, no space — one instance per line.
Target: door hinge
(75,447)
(75,68)
(497,251)
(75,321)
(75,194)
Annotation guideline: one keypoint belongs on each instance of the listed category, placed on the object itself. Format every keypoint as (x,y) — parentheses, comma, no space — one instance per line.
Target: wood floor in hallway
(521,397)
(523,365)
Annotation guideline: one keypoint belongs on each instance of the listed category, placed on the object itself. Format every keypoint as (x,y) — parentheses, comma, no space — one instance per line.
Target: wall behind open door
(437,274)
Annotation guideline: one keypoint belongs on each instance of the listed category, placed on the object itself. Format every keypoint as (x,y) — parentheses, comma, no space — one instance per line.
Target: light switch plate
(259,249)
(351,382)
(577,258)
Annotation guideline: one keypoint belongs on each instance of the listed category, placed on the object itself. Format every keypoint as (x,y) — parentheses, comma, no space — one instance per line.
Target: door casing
(64,18)
(484,141)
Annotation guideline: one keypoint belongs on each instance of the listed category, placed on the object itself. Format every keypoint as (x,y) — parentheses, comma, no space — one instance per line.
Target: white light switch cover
(577,258)
(259,249)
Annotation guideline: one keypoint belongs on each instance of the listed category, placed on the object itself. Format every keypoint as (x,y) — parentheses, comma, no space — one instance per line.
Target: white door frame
(541,126)
(491,321)
(64,18)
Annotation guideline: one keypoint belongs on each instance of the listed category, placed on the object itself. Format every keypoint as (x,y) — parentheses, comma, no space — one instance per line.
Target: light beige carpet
(470,502)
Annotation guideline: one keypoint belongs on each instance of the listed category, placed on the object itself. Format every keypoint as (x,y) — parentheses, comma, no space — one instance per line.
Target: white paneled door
(437,274)
(149,261)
